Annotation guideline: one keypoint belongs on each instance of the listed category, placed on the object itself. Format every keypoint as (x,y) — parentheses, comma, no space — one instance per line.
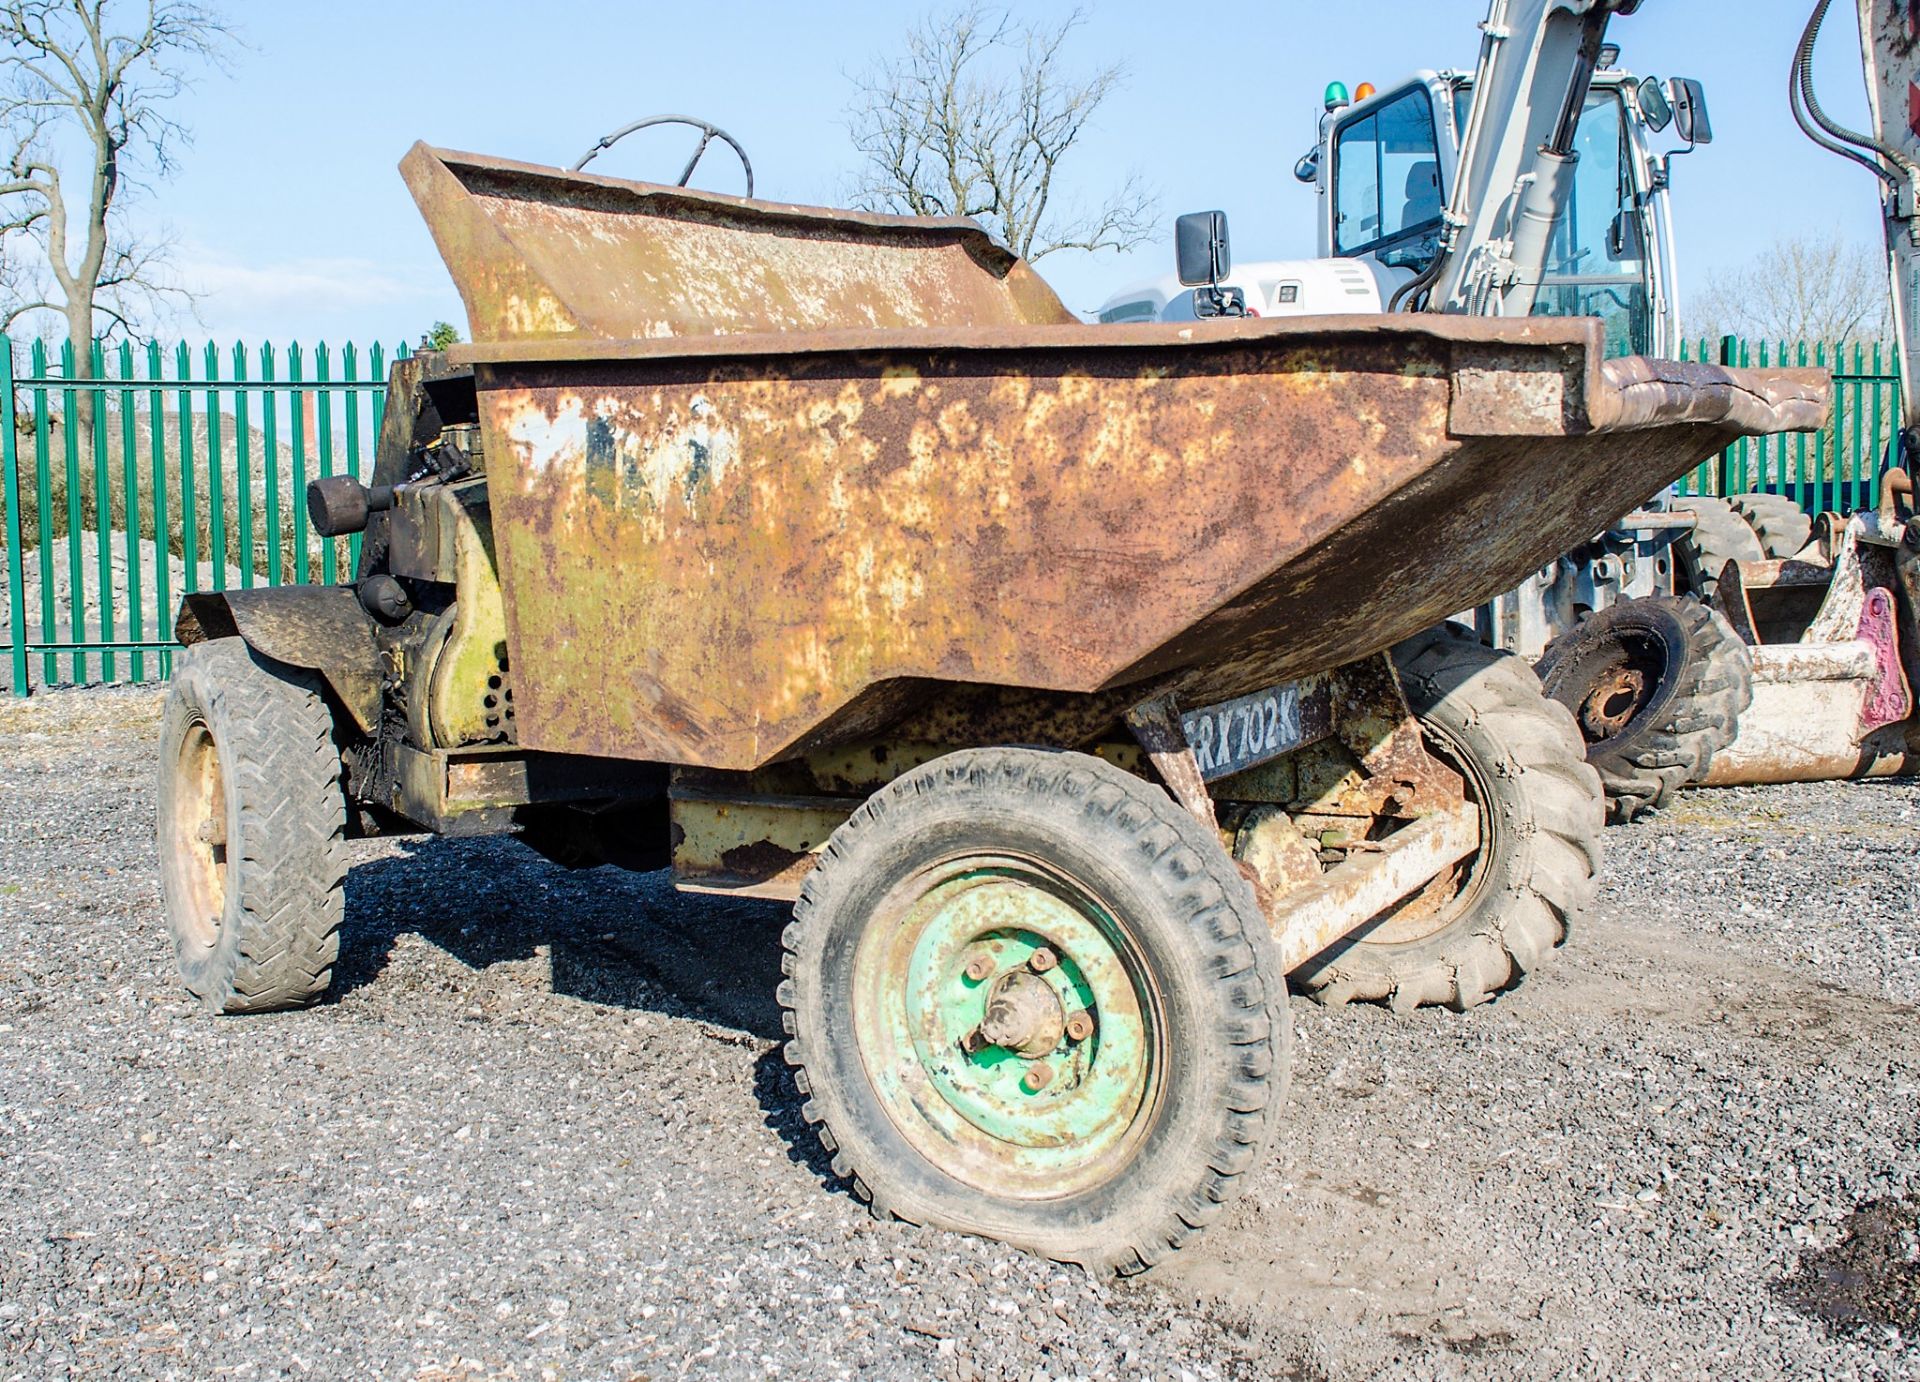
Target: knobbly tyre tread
(1782,526)
(1715,689)
(1248,1007)
(286,879)
(1546,807)
(1719,535)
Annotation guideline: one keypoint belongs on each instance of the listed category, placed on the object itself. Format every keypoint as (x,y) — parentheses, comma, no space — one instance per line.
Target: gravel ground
(544,1132)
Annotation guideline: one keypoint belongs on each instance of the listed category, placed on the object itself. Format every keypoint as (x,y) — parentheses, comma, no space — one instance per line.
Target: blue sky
(290,217)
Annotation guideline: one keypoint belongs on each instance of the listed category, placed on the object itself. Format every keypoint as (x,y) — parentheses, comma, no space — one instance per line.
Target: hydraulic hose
(1814,122)
(1409,292)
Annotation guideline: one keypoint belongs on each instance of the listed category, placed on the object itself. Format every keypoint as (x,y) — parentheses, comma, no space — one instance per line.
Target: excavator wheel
(1657,687)
(1479,927)
(1782,526)
(1719,536)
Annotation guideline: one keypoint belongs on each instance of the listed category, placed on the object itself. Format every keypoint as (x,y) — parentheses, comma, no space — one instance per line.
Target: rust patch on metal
(761,859)
(1155,722)
(1372,719)
(758,845)
(540,253)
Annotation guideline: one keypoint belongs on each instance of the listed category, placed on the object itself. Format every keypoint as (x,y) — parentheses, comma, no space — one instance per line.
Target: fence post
(130,483)
(76,517)
(16,559)
(162,530)
(102,509)
(1729,355)
(43,500)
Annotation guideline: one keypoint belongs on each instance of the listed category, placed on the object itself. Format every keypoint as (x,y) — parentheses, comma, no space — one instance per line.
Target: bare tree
(84,89)
(975,119)
(1801,288)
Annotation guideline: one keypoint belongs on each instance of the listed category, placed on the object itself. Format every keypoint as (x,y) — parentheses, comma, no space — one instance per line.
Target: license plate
(1250,730)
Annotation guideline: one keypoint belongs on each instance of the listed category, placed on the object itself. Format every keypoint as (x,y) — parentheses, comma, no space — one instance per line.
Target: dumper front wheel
(1031,998)
(1477,928)
(251,819)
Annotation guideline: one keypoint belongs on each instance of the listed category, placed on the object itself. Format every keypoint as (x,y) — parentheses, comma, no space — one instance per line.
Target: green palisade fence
(1837,469)
(193,475)
(163,473)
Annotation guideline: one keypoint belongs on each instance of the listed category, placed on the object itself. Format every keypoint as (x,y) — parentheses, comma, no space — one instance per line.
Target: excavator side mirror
(1690,120)
(1200,250)
(1655,109)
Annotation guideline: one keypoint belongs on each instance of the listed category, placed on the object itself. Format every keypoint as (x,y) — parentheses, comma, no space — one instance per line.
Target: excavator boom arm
(1537,59)
(1890,42)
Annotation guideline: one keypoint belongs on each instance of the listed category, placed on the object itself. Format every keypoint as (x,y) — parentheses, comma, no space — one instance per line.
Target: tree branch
(957,126)
(22,309)
(90,68)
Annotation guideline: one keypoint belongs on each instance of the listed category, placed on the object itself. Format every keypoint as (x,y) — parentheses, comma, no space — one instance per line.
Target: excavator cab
(1386,167)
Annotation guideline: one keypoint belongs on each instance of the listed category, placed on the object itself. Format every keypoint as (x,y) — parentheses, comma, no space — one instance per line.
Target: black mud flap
(319,627)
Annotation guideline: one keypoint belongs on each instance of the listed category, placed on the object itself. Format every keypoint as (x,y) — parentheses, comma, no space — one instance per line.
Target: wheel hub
(197,853)
(1023,1014)
(1613,701)
(1004,1028)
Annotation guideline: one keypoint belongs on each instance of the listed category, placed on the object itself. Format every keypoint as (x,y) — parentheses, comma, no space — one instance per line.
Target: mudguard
(318,627)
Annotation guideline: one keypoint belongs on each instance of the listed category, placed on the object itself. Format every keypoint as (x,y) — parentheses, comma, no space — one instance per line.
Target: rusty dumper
(1069,679)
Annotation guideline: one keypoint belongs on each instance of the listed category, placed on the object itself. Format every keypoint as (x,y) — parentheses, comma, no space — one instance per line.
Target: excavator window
(1386,183)
(1598,267)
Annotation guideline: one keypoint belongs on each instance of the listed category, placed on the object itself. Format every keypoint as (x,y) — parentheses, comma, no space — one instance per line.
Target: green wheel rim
(1045,1118)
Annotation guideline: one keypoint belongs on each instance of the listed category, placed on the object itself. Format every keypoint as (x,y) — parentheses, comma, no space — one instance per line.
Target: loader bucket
(767,479)
(1831,641)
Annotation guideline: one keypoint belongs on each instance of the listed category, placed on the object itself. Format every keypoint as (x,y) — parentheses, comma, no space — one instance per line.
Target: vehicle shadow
(626,940)
(617,938)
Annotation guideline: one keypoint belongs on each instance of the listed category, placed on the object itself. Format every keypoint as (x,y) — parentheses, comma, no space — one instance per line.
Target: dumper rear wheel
(1031,998)
(1657,687)
(251,819)
(1479,927)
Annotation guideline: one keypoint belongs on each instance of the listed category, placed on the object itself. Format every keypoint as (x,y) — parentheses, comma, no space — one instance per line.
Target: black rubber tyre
(1782,526)
(1480,929)
(1196,955)
(1719,536)
(1657,687)
(250,830)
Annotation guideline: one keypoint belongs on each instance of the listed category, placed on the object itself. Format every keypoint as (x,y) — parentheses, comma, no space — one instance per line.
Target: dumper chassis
(1075,723)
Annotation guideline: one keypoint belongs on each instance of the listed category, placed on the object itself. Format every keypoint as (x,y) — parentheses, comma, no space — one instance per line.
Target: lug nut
(1043,960)
(1038,1076)
(1080,1026)
(979,967)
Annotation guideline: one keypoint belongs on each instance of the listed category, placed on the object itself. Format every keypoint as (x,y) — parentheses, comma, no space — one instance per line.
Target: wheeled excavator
(1466,192)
